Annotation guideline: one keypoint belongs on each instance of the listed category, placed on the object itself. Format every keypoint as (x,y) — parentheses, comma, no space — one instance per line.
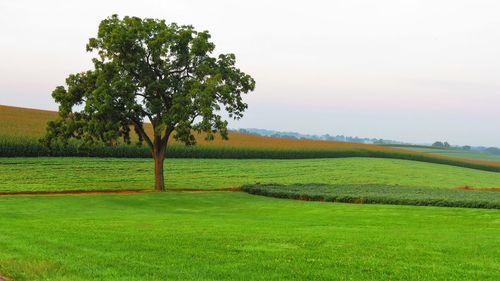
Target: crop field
(67,173)
(458,153)
(16,140)
(24,122)
(170,152)
(14,120)
(382,194)
(450,152)
(212,235)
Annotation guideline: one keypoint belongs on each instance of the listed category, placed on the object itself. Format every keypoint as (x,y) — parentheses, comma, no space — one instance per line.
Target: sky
(415,71)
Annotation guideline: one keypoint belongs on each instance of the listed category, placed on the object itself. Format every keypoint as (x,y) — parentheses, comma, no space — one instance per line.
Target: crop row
(26,147)
(380,194)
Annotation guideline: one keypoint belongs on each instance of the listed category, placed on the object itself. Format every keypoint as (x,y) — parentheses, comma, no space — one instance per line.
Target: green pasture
(56,174)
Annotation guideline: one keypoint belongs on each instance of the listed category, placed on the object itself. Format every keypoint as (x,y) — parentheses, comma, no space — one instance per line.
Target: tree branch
(139,126)
(154,69)
(168,131)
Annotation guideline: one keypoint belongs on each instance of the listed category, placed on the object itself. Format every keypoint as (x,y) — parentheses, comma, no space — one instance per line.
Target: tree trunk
(159,157)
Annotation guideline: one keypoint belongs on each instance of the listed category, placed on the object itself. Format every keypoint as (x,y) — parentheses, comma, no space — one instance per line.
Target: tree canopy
(146,70)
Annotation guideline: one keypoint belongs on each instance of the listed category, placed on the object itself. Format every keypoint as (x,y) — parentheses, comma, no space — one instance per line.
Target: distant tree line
(441,144)
(294,135)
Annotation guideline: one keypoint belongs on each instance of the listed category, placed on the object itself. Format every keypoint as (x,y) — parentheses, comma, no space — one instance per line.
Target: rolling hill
(26,122)
(20,128)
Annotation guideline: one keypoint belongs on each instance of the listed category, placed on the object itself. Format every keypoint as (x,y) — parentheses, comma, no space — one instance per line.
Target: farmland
(18,140)
(458,153)
(451,152)
(465,197)
(66,173)
(249,141)
(14,120)
(236,236)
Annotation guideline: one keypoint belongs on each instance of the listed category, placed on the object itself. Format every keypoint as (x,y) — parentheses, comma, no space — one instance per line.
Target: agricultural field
(24,122)
(450,152)
(86,173)
(180,153)
(14,120)
(475,155)
(198,232)
(18,140)
(466,197)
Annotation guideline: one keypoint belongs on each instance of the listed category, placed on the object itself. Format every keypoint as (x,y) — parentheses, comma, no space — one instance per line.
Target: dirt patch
(112,191)
(2,278)
(478,188)
(73,192)
(228,189)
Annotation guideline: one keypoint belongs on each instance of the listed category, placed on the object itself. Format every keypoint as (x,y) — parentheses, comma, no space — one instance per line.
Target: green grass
(50,174)
(236,236)
(381,194)
(451,152)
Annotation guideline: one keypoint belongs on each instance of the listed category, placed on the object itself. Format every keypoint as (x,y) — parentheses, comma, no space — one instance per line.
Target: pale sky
(415,71)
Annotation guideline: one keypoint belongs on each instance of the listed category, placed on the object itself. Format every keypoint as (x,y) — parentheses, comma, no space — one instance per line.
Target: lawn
(236,236)
(50,174)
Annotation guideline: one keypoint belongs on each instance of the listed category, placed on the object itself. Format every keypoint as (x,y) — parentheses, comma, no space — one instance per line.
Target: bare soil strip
(111,191)
(478,188)
(73,192)
(228,189)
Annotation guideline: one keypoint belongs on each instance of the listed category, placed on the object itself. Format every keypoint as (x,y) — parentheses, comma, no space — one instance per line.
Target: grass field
(66,173)
(236,236)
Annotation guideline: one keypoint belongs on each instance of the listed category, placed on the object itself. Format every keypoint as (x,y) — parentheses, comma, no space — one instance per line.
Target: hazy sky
(414,71)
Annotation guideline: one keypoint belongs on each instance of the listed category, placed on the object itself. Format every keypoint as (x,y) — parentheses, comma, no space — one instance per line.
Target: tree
(492,150)
(438,144)
(149,71)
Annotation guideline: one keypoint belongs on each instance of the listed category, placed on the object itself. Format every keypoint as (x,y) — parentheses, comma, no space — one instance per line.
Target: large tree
(146,70)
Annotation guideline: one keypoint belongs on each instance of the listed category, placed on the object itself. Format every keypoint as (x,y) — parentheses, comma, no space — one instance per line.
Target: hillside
(455,152)
(21,127)
(24,122)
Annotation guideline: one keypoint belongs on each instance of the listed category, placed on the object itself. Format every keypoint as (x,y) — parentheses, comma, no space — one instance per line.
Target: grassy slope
(234,236)
(36,174)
